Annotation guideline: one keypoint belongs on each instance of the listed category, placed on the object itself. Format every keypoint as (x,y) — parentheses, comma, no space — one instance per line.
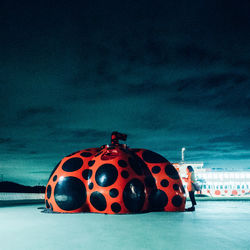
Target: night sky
(170,74)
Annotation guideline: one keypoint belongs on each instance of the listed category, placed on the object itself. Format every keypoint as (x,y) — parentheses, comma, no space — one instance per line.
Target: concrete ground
(214,225)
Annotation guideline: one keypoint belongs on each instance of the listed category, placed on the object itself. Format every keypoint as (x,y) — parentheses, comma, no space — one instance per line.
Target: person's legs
(192,198)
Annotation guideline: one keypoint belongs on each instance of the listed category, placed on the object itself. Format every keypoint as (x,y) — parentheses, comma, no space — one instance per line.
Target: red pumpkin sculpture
(114,179)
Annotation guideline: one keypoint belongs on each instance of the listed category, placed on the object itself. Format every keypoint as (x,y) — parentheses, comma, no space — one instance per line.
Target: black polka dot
(47,204)
(55,168)
(99,153)
(100,149)
(176,187)
(55,178)
(106,175)
(98,201)
(86,154)
(134,195)
(125,174)
(136,150)
(152,157)
(48,191)
(176,200)
(136,164)
(157,200)
(70,193)
(91,185)
(86,174)
(73,153)
(122,163)
(149,181)
(72,164)
(51,207)
(113,192)
(156,169)
(91,163)
(164,183)
(116,208)
(171,172)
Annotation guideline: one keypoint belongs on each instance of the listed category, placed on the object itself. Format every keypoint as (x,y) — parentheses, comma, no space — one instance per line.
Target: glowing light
(61,178)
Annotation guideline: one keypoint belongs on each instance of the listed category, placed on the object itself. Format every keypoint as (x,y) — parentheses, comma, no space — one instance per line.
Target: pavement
(214,225)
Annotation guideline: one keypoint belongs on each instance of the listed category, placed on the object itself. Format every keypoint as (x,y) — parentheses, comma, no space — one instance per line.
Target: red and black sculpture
(114,179)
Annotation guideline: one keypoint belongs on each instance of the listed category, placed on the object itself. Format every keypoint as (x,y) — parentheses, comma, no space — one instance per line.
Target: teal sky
(170,75)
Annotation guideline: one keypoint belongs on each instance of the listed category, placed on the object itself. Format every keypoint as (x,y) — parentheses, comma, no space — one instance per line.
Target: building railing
(20,196)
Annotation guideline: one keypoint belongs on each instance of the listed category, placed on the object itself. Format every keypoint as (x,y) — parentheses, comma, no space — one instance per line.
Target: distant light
(182,154)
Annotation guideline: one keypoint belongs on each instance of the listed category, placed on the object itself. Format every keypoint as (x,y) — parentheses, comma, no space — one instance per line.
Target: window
(238,186)
(221,186)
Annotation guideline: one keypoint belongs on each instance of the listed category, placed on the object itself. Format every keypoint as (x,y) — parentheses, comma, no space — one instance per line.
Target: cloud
(239,138)
(87,135)
(10,145)
(191,53)
(227,91)
(32,152)
(217,82)
(5,140)
(242,64)
(146,87)
(34,111)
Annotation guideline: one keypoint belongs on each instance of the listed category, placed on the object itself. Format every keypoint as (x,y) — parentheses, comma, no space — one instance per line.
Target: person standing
(190,179)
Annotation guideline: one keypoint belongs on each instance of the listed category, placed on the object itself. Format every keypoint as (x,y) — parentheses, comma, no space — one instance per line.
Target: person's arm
(185,179)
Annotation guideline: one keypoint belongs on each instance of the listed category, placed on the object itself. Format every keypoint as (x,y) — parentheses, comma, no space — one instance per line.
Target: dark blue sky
(167,73)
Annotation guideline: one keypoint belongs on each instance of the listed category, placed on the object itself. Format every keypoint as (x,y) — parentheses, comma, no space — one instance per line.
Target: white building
(215,181)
